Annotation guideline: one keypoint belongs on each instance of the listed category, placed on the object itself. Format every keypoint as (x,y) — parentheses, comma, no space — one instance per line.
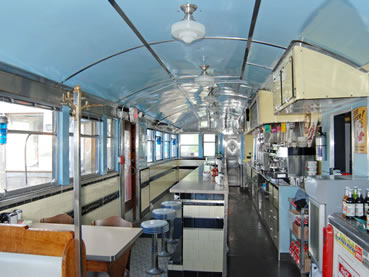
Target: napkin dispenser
(11,218)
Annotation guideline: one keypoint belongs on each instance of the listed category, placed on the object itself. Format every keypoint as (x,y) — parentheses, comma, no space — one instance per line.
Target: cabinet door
(277,93)
(287,79)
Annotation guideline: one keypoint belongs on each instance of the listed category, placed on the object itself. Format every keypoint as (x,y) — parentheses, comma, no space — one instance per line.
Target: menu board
(360,130)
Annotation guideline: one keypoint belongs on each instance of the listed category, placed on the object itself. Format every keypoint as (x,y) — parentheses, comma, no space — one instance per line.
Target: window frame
(181,144)
(165,140)
(54,148)
(215,142)
(161,146)
(97,136)
(172,137)
(113,139)
(152,140)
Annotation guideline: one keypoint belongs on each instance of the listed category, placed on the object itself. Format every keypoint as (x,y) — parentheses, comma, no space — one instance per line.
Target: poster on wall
(360,130)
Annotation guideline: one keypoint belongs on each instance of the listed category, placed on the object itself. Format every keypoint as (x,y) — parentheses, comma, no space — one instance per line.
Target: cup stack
(311,168)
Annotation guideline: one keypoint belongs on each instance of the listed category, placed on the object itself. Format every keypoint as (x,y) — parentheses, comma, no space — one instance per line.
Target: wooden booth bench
(40,253)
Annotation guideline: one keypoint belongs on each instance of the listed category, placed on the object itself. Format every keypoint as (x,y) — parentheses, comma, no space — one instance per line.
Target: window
(159,146)
(209,145)
(110,141)
(166,146)
(89,146)
(150,145)
(173,144)
(189,146)
(28,159)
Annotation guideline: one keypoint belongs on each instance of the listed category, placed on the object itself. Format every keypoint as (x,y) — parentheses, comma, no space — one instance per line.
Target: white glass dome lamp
(204,79)
(188,29)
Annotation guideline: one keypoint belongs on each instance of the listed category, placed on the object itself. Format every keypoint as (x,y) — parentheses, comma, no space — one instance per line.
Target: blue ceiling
(55,39)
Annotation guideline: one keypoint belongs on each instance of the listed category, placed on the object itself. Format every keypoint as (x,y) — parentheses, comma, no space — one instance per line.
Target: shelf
(299,266)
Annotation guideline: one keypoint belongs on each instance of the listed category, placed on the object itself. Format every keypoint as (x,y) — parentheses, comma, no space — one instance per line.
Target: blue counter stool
(154,227)
(169,215)
(177,206)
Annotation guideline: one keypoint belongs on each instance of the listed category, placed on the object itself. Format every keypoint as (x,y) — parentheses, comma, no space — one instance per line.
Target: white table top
(196,183)
(102,243)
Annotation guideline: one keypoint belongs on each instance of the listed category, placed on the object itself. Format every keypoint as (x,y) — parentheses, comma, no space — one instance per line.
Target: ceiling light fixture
(188,30)
(204,79)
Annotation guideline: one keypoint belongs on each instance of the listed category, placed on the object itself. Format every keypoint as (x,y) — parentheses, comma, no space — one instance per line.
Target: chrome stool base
(155,271)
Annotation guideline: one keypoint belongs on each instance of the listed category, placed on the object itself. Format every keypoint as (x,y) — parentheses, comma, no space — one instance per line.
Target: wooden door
(130,166)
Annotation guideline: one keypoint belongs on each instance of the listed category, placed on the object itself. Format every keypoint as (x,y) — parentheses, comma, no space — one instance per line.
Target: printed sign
(345,270)
(360,130)
(354,249)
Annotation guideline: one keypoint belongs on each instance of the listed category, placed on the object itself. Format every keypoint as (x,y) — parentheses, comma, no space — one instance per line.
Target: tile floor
(251,252)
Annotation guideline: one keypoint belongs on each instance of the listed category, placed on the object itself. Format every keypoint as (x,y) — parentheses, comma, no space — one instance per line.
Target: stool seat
(155,226)
(175,205)
(164,213)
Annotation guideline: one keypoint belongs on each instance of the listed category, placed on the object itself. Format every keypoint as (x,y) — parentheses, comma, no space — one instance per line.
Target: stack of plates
(311,168)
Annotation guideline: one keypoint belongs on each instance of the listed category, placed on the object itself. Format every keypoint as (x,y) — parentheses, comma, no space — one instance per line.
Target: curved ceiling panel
(263,55)
(352,24)
(56,38)
(224,57)
(221,18)
(279,22)
(121,75)
(256,76)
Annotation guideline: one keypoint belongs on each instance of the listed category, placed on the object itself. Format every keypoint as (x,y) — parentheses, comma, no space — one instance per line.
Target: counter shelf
(302,240)
(203,245)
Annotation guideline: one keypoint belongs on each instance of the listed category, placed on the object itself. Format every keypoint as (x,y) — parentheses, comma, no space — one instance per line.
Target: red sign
(359,253)
(344,271)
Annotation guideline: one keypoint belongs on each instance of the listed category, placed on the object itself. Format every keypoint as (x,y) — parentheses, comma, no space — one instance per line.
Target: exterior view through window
(189,145)
(110,140)
(89,146)
(209,145)
(29,147)
(159,146)
(150,146)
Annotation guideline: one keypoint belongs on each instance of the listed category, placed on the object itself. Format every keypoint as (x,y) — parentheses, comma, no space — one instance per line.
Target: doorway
(130,166)
(342,141)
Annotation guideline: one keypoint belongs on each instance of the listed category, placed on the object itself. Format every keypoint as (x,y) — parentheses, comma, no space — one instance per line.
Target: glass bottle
(355,192)
(350,205)
(359,205)
(366,202)
(344,208)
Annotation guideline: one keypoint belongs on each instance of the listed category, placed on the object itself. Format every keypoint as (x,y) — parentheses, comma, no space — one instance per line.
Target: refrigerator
(346,248)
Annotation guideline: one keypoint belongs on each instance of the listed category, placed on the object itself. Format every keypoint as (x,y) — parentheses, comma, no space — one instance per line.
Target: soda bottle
(359,205)
(344,208)
(350,205)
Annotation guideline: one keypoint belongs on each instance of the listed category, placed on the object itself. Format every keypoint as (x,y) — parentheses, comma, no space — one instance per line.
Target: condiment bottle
(359,205)
(344,208)
(350,205)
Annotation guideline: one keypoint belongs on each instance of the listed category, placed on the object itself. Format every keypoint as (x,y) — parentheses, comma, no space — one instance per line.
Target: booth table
(104,245)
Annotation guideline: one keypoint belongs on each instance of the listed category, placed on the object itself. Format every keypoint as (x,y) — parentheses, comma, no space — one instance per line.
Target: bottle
(350,205)
(366,202)
(344,208)
(367,221)
(355,193)
(359,205)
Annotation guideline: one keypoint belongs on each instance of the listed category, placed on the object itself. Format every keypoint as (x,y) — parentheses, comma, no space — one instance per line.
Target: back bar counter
(204,239)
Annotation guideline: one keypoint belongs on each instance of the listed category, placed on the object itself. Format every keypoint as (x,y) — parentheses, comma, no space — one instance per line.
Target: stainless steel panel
(232,146)
(296,164)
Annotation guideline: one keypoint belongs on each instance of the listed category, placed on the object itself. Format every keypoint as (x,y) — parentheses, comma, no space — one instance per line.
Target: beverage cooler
(346,248)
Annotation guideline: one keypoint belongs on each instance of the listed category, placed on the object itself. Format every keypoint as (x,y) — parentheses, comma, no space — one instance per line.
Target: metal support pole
(76,179)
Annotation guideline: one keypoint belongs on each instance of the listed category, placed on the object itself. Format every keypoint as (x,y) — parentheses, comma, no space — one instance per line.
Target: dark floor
(251,252)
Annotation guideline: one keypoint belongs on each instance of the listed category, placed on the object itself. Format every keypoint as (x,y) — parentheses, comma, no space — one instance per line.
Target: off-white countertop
(196,183)
(102,243)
